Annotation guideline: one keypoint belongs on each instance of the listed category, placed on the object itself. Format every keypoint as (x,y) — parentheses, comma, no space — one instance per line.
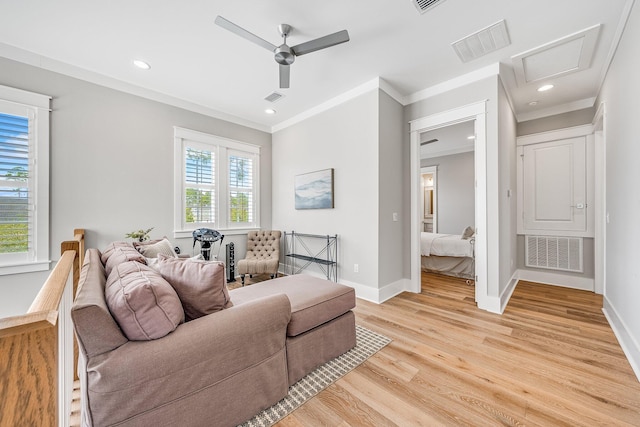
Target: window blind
(241,201)
(200,185)
(16,197)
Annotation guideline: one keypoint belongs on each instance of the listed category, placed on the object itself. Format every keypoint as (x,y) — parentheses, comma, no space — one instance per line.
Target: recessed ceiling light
(533,103)
(141,64)
(471,137)
(270,111)
(545,88)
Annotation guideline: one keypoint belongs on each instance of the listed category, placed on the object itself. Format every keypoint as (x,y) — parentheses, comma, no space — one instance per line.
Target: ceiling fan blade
(321,43)
(284,76)
(228,25)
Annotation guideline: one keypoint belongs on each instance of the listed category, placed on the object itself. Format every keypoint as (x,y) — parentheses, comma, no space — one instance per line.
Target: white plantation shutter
(216,183)
(241,188)
(16,205)
(24,181)
(200,186)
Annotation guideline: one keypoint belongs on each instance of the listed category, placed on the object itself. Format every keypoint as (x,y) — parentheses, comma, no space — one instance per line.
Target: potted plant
(141,235)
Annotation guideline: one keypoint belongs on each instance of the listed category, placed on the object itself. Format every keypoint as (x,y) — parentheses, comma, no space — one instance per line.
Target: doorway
(472,113)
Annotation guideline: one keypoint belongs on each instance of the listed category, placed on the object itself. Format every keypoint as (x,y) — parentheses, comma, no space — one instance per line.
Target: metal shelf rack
(317,249)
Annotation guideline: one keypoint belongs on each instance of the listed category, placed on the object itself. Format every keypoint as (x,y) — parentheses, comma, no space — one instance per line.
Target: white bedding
(445,245)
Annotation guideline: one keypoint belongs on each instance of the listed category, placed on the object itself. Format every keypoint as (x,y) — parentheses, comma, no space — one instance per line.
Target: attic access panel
(569,54)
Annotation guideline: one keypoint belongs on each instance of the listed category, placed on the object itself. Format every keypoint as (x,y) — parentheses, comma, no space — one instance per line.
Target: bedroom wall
(345,138)
(112,166)
(620,94)
(455,192)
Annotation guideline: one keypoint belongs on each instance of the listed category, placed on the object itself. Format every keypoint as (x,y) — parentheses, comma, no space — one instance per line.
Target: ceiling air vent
(482,42)
(273,97)
(424,5)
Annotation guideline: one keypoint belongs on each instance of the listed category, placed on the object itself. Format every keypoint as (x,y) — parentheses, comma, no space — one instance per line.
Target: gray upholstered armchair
(263,254)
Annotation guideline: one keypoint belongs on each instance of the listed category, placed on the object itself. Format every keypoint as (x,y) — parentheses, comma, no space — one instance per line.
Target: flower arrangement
(141,235)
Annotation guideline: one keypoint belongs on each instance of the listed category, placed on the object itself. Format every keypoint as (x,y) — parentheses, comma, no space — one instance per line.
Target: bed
(447,254)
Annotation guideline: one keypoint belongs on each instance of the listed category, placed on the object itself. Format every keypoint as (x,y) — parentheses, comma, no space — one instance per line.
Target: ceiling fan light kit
(283,54)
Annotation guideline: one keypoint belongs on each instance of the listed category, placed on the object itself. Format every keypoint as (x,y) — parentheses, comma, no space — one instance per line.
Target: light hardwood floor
(550,360)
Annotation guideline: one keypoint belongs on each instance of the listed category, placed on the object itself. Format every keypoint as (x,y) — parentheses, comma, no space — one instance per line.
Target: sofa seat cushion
(313,301)
(143,303)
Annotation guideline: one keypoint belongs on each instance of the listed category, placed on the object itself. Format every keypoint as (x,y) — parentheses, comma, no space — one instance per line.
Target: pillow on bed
(468,233)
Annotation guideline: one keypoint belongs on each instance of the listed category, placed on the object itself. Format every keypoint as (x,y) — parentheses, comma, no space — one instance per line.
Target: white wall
(507,193)
(345,138)
(112,165)
(620,94)
(455,191)
(390,161)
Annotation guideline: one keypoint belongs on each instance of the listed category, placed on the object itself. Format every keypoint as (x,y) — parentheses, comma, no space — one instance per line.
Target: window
(216,183)
(24,181)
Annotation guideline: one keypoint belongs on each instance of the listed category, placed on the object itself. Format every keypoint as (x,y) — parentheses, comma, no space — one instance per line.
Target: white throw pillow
(162,247)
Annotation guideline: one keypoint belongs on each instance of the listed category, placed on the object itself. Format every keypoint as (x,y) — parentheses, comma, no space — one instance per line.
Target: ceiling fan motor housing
(284,55)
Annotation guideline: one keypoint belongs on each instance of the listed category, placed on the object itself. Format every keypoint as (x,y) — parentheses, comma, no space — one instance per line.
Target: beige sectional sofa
(218,369)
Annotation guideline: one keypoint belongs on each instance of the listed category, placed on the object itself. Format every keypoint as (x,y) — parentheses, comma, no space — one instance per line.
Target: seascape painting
(314,190)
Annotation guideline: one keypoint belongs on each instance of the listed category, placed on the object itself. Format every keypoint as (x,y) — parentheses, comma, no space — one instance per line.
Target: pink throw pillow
(143,303)
(201,285)
(111,247)
(123,254)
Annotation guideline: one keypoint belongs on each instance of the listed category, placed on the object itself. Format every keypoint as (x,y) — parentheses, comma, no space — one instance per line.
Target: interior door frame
(477,112)
(600,188)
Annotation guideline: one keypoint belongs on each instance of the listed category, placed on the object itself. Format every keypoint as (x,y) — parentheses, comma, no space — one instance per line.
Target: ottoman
(322,325)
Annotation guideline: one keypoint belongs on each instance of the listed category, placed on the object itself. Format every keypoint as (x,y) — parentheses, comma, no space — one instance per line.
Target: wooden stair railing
(37,360)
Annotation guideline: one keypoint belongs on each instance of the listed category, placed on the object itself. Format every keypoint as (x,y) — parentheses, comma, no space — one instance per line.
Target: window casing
(215,183)
(24,181)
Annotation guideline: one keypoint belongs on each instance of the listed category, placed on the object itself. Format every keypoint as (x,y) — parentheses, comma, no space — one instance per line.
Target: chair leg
(242,278)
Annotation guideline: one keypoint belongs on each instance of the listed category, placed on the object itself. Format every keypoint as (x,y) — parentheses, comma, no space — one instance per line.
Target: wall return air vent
(555,253)
(424,5)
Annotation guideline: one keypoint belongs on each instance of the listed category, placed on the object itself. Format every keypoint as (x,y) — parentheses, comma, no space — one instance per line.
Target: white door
(555,189)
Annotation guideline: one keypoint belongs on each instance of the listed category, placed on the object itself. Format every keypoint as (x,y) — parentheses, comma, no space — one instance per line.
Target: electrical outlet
(356,268)
(395,216)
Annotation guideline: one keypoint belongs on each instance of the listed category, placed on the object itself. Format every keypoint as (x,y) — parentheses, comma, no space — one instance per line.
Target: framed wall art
(314,190)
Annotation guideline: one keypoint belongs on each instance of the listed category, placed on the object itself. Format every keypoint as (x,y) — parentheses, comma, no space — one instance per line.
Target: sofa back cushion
(200,284)
(110,249)
(121,255)
(95,328)
(144,304)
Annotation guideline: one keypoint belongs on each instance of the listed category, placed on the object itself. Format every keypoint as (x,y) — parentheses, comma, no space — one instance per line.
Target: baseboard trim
(629,346)
(555,279)
(368,293)
(508,292)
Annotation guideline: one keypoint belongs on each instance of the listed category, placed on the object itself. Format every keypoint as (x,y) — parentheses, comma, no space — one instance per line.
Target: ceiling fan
(285,55)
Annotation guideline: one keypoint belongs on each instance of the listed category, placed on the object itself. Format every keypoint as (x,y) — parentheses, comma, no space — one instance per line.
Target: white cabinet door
(554,186)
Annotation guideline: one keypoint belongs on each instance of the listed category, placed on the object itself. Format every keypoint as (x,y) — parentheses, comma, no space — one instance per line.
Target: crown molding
(36,60)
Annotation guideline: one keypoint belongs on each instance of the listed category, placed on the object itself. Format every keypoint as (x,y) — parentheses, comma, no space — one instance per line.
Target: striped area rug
(367,344)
